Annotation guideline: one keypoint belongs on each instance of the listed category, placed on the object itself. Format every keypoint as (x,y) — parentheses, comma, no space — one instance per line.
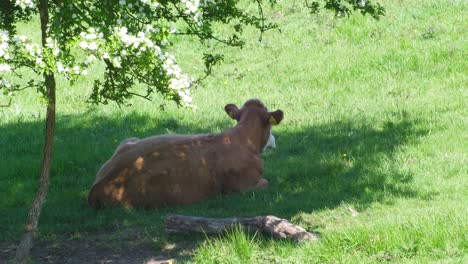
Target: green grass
(375,120)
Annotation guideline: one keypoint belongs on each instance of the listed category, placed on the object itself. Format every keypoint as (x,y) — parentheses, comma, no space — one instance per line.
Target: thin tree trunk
(24,248)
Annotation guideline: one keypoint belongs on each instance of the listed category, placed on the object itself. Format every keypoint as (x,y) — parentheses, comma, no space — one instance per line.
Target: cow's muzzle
(271,143)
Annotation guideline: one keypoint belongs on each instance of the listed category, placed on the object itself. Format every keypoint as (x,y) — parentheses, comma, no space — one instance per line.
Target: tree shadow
(322,166)
(313,167)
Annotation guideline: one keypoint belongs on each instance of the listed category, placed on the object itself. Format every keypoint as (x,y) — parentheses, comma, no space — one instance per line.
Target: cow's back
(168,169)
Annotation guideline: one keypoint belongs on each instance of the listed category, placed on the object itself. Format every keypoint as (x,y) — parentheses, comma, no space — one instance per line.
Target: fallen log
(271,225)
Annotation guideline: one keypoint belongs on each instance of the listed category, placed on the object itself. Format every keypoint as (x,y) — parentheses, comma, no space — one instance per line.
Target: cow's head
(254,112)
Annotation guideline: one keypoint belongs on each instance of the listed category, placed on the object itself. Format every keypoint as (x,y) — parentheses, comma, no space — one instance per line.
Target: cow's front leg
(242,181)
(262,184)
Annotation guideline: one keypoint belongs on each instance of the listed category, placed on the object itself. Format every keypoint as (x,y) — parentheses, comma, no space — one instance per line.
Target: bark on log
(271,225)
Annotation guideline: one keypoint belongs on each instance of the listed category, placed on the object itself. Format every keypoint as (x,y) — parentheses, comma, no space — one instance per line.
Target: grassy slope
(375,119)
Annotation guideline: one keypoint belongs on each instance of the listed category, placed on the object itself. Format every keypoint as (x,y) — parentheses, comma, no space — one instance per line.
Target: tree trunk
(24,248)
(271,225)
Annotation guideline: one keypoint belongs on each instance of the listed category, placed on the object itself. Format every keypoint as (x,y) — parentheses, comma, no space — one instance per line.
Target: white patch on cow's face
(271,142)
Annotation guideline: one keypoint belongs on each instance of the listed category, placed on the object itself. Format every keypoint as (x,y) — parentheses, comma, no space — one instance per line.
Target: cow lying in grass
(182,169)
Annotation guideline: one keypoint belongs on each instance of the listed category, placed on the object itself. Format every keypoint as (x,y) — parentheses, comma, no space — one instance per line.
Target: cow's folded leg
(262,184)
(238,181)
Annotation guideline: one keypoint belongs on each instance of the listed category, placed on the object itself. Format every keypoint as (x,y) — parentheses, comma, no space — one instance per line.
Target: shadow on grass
(324,165)
(312,168)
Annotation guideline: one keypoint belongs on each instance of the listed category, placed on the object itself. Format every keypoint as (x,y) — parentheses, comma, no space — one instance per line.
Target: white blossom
(179,81)
(149,28)
(91,36)
(93,46)
(52,44)
(2,51)
(33,49)
(5,83)
(192,8)
(4,35)
(84,44)
(24,4)
(19,39)
(40,62)
(76,69)
(60,67)
(55,52)
(4,44)
(157,50)
(152,4)
(90,59)
(117,62)
(49,42)
(5,68)
(89,40)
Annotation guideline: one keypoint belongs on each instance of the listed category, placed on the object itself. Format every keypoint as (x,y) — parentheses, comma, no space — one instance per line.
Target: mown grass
(375,121)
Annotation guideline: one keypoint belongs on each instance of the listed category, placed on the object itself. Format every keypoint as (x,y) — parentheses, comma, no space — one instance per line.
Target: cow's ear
(274,118)
(232,111)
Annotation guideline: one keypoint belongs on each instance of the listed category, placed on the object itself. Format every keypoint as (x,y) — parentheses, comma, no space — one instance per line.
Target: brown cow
(182,169)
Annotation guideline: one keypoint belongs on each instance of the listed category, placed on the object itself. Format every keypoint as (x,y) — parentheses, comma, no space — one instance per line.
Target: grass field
(375,121)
